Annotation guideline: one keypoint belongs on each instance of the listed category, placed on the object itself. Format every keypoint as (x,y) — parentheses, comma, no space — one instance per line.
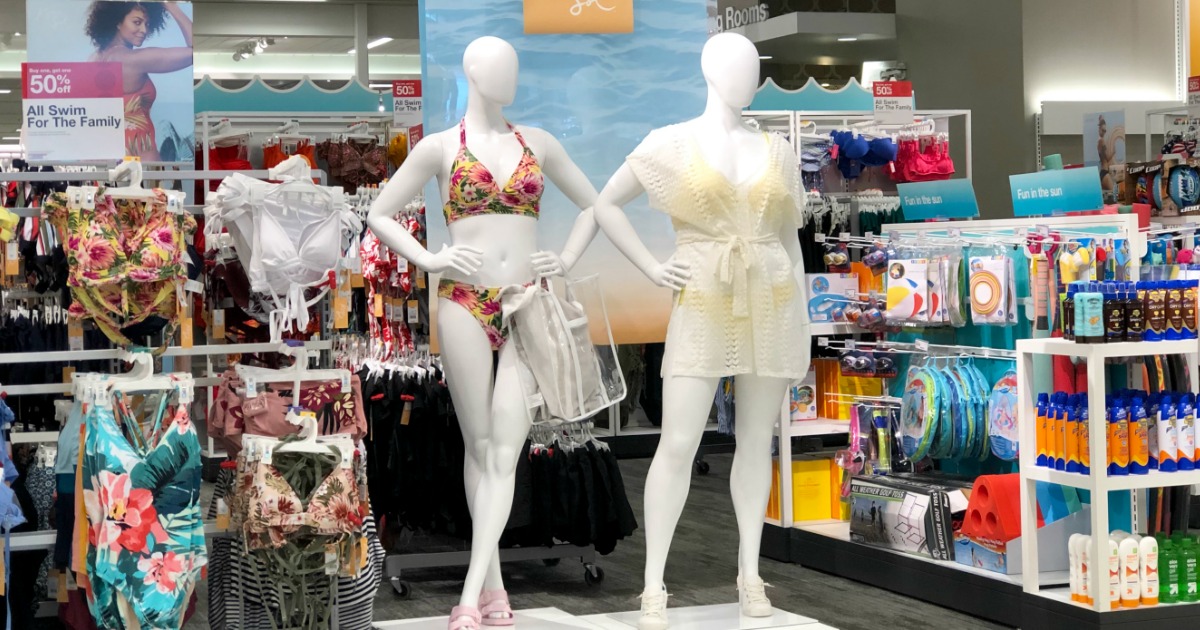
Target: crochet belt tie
(736,257)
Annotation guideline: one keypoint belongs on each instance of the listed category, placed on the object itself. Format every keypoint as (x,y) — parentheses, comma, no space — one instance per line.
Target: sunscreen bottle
(1072,440)
(1118,439)
(1139,453)
(1043,429)
(1152,429)
(1156,312)
(1148,570)
(1131,585)
(1085,445)
(1114,573)
(1059,428)
(1189,308)
(1074,559)
(1189,589)
(1085,580)
(1185,431)
(1168,454)
(1169,581)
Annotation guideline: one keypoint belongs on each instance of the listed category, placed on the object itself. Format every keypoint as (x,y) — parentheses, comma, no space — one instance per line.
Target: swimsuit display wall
(742,311)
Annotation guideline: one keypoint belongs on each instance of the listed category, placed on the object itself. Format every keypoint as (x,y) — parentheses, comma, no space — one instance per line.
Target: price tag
(377,305)
(193,286)
(68,374)
(74,334)
(186,327)
(222,515)
(341,313)
(60,592)
(820,238)
(12,259)
(406,415)
(218,323)
(356,281)
(922,345)
(420,279)
(414,312)
(893,101)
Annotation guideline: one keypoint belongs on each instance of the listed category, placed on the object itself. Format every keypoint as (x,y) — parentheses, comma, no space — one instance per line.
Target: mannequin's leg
(467,360)
(493,500)
(686,403)
(758,400)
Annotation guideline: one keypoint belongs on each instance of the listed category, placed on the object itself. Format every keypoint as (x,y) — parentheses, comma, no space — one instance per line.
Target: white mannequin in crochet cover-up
(735,199)
(489,250)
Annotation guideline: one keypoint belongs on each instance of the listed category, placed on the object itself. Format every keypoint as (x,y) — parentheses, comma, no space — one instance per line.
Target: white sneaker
(654,611)
(752,595)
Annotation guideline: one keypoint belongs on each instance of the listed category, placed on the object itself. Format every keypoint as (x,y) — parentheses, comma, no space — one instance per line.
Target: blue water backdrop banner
(599,95)
(1056,191)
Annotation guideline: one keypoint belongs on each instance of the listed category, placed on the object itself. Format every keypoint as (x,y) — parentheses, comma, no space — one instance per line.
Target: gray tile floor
(702,570)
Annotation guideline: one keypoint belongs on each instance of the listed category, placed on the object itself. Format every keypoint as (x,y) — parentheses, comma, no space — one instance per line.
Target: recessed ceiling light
(847,39)
(5,91)
(17,34)
(825,85)
(10,138)
(765,57)
(372,44)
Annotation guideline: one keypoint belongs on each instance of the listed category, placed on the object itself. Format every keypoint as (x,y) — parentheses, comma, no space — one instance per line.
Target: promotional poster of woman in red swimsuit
(152,41)
(119,31)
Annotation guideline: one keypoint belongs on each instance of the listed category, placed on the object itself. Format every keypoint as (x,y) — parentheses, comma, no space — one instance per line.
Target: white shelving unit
(1098,482)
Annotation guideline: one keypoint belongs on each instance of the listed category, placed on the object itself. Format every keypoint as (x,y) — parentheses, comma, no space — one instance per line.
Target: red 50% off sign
(893,101)
(73,111)
(406,102)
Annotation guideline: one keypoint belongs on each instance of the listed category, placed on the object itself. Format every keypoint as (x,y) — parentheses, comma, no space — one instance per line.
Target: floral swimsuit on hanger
(474,191)
(126,259)
(145,534)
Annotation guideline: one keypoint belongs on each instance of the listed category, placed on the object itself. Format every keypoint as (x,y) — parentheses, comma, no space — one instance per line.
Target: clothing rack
(395,564)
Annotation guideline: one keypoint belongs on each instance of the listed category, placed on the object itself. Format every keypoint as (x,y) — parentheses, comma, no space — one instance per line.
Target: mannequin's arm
(623,188)
(565,174)
(421,165)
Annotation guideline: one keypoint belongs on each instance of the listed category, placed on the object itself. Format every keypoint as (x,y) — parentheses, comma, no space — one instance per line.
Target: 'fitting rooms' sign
(738,14)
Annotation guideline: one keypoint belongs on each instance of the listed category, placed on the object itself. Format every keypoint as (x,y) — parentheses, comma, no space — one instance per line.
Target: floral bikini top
(126,257)
(474,191)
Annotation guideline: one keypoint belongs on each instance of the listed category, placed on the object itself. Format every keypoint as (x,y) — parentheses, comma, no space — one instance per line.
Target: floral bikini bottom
(483,303)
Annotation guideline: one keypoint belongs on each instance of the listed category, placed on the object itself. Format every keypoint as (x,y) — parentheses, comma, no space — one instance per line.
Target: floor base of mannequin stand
(714,617)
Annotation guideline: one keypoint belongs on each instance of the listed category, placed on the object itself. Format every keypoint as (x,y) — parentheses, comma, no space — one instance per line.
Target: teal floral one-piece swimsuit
(146,542)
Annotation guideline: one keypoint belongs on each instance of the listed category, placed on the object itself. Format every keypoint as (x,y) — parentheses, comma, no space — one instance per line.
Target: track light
(381,102)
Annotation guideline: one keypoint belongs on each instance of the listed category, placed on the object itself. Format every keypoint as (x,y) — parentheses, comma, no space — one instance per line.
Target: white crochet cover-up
(742,312)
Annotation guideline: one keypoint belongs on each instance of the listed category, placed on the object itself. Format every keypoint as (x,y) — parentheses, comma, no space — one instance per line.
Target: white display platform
(535,619)
(715,617)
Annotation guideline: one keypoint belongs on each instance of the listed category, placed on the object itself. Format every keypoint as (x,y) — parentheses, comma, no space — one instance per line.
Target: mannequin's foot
(495,608)
(752,595)
(464,618)
(654,611)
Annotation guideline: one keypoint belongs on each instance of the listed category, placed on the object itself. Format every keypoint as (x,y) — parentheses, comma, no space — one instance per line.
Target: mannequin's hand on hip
(466,260)
(546,263)
(673,274)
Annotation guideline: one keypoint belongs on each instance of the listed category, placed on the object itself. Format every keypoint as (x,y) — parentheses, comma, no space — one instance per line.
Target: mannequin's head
(490,64)
(730,65)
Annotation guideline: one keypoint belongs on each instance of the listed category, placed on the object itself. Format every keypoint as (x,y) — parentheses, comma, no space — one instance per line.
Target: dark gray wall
(967,54)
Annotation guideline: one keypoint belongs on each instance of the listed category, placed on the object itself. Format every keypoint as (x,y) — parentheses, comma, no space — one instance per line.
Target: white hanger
(296,374)
(133,170)
(223,135)
(142,377)
(288,133)
(359,131)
